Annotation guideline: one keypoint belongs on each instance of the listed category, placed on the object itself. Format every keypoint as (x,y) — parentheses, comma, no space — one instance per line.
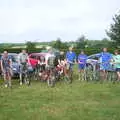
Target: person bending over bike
(52,62)
(104,59)
(23,62)
(6,67)
(61,62)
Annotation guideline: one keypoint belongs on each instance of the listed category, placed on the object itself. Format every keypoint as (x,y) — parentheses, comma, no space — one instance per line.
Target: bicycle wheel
(89,74)
(51,81)
(68,78)
(27,79)
(51,78)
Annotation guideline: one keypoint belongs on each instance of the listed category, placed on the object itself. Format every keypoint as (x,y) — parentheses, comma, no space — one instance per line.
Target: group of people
(6,66)
(105,61)
(69,59)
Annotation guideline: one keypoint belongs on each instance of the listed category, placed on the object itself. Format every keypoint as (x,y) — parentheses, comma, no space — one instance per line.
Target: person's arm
(75,59)
(1,64)
(116,61)
(79,59)
(99,55)
(66,57)
(112,61)
(19,56)
(10,62)
(28,59)
(59,61)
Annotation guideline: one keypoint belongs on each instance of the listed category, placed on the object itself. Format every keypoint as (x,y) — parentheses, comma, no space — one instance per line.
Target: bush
(88,51)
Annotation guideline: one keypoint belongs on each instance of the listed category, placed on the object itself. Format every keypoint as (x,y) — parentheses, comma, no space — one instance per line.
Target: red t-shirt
(33,62)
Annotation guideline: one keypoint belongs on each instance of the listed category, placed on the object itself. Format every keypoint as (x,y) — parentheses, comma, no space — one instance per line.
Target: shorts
(69,66)
(81,66)
(117,69)
(7,71)
(105,66)
(23,68)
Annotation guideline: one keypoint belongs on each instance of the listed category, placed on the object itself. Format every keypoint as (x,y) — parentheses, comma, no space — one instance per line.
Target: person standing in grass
(70,58)
(6,67)
(104,59)
(82,59)
(116,62)
(23,61)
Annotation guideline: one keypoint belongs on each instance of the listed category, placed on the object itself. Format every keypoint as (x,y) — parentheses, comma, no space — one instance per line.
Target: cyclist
(23,62)
(104,59)
(116,62)
(61,62)
(70,58)
(50,58)
(41,62)
(52,62)
(6,67)
(82,62)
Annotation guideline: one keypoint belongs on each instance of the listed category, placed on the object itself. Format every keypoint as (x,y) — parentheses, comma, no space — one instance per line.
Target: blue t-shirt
(82,58)
(105,57)
(71,56)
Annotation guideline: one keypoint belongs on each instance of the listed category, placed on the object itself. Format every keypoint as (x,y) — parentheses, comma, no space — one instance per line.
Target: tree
(81,42)
(58,44)
(114,31)
(30,45)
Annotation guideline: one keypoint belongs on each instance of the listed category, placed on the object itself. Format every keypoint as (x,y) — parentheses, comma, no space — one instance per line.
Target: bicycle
(25,75)
(51,76)
(68,72)
(110,73)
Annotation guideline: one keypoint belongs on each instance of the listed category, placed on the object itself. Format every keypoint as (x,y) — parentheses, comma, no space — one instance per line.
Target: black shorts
(117,69)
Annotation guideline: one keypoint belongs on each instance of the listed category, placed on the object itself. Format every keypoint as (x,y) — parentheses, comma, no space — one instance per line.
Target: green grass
(77,101)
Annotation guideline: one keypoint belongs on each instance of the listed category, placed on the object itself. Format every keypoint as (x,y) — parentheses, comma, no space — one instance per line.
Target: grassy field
(78,101)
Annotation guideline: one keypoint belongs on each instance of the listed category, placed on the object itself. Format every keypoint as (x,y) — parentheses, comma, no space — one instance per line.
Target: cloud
(48,19)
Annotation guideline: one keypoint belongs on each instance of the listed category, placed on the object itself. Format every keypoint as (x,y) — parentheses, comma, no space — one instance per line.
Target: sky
(46,20)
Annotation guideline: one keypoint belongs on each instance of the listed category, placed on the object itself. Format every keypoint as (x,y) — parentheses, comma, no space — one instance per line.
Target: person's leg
(118,75)
(103,72)
(5,79)
(9,80)
(20,75)
(81,73)
(105,75)
(10,77)
(26,80)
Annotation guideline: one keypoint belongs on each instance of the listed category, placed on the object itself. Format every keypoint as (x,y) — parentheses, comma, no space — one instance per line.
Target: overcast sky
(47,20)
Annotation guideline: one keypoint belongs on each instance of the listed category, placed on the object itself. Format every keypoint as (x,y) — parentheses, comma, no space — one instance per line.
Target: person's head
(105,49)
(5,53)
(116,52)
(24,51)
(61,53)
(70,49)
(82,52)
(50,50)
